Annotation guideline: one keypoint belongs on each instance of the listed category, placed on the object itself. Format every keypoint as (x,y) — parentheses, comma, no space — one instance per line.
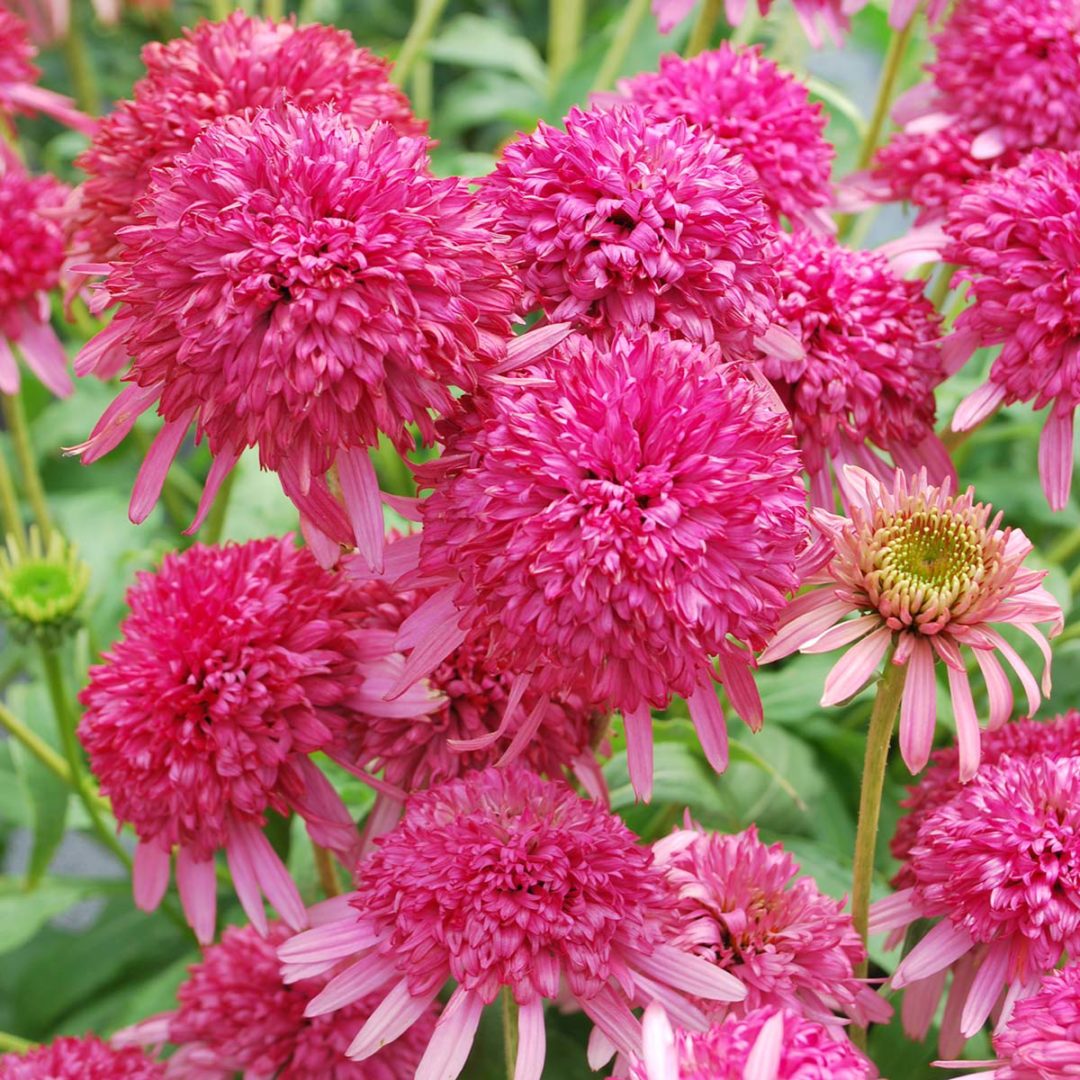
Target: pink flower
(71,1058)
(215,70)
(999,868)
(738,904)
(30,261)
(941,782)
(756,110)
(620,515)
(622,221)
(669,13)
(501,879)
(300,285)
(769,1043)
(18,76)
(1016,238)
(872,359)
(236,1015)
(926,573)
(235,663)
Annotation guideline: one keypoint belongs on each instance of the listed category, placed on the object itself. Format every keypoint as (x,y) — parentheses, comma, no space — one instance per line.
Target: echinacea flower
(235,1015)
(872,359)
(31,255)
(1016,239)
(757,110)
(1041,1039)
(234,664)
(998,867)
(18,78)
(88,1058)
(739,904)
(925,573)
(625,512)
(941,782)
(503,880)
(623,221)
(299,284)
(221,69)
(769,1043)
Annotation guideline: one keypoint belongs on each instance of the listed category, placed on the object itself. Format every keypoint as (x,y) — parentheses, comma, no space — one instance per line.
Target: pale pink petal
(639,749)
(738,681)
(852,671)
(669,13)
(763,1061)
(977,406)
(116,422)
(395,1014)
(693,974)
(893,912)
(950,1038)
(735,11)
(918,710)
(532,1041)
(431,650)
(615,1019)
(270,873)
(196,882)
(968,738)
(988,144)
(660,1057)
(526,732)
(330,942)
(804,619)
(363,504)
(688,1017)
(708,718)
(986,988)
(358,980)
(998,690)
(60,108)
(1044,647)
(1056,457)
(943,945)
(150,875)
(1023,672)
(781,343)
(151,477)
(45,357)
(220,467)
(525,348)
(452,1038)
(920,1005)
(600,1049)
(843,634)
(518,686)
(956,351)
(900,14)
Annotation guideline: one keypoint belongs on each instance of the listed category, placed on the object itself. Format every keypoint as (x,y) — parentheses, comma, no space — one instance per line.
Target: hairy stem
(423,26)
(19,430)
(9,506)
(701,34)
(510,1031)
(327,871)
(36,745)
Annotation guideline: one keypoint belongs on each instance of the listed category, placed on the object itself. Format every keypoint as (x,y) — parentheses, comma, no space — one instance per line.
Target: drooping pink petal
(943,945)
(855,667)
(639,749)
(150,875)
(532,1041)
(453,1037)
(918,709)
(196,882)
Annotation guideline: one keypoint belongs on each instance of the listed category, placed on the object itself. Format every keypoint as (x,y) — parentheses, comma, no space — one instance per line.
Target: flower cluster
(70,1058)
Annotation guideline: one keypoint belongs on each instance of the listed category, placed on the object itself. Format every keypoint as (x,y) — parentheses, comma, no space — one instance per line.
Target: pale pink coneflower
(87,1058)
(755,109)
(998,867)
(872,359)
(769,1043)
(299,284)
(926,573)
(234,664)
(812,15)
(221,69)
(623,513)
(235,1015)
(740,904)
(501,880)
(1016,239)
(31,256)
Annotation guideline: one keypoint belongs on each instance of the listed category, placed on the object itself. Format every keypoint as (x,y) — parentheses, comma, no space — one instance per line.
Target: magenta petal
(804,619)
(45,357)
(196,882)
(150,875)
(116,422)
(855,667)
(920,1005)
(328,943)
(708,718)
(363,504)
(220,467)
(526,732)
(159,457)
(986,988)
(639,749)
(742,691)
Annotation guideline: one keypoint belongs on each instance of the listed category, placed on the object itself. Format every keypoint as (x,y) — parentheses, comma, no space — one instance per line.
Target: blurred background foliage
(74,953)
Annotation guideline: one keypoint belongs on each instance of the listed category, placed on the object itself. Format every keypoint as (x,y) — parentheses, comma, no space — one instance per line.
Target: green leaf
(473,42)
(23,914)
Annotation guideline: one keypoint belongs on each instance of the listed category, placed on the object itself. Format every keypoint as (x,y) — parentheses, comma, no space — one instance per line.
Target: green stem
(273,9)
(1068,545)
(215,520)
(220,9)
(12,1043)
(15,418)
(423,88)
(566,20)
(36,745)
(940,291)
(882,718)
(65,721)
(613,59)
(328,876)
(510,1031)
(701,34)
(1074,581)
(80,66)
(9,504)
(423,26)
(893,61)
(751,20)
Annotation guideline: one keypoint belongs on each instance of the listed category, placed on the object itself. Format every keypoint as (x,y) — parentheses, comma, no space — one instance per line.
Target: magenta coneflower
(756,110)
(501,879)
(872,360)
(769,1043)
(625,513)
(221,69)
(88,1058)
(926,573)
(299,284)
(999,868)
(234,664)
(941,782)
(1016,239)
(738,903)
(624,221)
(31,256)
(236,1015)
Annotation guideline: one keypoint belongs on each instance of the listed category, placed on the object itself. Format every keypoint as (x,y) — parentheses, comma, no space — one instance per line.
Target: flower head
(88,1058)
(756,110)
(621,220)
(767,1042)
(42,588)
(872,359)
(629,510)
(941,782)
(236,1015)
(234,664)
(738,903)
(501,879)
(222,69)
(999,867)
(299,284)
(1016,238)
(925,572)
(30,261)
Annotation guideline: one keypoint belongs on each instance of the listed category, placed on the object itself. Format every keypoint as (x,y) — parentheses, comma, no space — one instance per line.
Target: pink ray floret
(501,879)
(925,573)
(626,512)
(88,1058)
(998,867)
(234,664)
(739,903)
